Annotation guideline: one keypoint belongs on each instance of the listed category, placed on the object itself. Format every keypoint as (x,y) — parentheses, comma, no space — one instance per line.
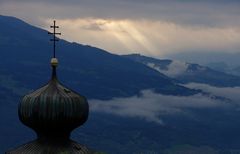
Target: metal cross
(54,39)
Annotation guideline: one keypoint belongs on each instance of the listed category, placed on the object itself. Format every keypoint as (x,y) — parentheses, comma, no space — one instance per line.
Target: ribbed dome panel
(53,106)
(36,147)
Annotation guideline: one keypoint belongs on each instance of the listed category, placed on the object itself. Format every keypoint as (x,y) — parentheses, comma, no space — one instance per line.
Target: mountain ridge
(184,73)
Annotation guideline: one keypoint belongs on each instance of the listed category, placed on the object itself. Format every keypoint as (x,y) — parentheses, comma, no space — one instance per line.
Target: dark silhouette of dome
(53,111)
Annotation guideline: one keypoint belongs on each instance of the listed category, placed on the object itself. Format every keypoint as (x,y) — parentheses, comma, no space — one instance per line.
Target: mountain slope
(92,71)
(186,72)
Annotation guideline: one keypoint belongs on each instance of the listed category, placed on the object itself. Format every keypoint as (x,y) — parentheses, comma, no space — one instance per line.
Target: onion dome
(53,111)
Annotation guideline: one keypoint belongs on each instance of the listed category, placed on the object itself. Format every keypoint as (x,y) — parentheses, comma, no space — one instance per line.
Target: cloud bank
(227,92)
(151,106)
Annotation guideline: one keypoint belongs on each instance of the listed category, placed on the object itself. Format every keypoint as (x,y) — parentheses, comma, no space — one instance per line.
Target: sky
(151,27)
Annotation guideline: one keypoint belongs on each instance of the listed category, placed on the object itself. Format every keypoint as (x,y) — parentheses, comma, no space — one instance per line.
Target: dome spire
(54,39)
(54,60)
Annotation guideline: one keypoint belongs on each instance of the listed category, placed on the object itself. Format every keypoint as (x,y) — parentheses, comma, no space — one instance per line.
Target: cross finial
(54,39)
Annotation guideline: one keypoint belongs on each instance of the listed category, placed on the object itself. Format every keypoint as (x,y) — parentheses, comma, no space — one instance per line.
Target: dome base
(38,147)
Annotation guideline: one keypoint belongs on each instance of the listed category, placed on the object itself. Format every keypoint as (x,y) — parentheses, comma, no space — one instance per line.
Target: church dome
(53,110)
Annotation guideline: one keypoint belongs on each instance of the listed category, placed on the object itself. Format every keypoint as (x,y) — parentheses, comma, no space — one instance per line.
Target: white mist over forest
(150,105)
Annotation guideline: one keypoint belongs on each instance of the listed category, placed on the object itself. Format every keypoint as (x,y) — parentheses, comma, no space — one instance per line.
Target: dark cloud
(195,12)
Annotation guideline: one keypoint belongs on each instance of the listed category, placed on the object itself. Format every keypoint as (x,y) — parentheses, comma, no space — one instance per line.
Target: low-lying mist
(150,105)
